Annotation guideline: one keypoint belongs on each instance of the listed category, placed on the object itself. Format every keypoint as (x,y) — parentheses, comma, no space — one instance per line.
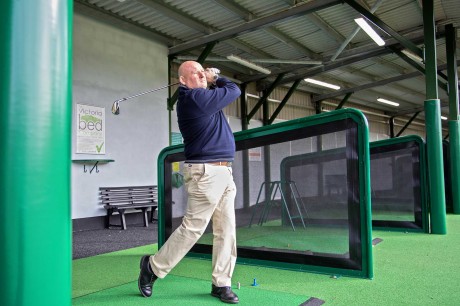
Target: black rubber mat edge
(376,241)
(312,302)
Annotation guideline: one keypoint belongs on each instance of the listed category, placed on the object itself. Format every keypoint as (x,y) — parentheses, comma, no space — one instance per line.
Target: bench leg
(122,218)
(144,216)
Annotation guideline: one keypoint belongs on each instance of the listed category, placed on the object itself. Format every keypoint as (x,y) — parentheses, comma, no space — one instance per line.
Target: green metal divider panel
(279,222)
(398,184)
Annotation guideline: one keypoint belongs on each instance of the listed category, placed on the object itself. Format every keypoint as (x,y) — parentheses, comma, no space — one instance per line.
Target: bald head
(192,75)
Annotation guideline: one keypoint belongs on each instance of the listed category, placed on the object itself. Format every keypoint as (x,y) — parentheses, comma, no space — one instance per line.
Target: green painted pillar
(35,133)
(431,74)
(435,166)
(437,197)
(454,125)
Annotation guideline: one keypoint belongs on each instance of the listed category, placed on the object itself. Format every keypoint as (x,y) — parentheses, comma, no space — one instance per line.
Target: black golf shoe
(146,277)
(225,294)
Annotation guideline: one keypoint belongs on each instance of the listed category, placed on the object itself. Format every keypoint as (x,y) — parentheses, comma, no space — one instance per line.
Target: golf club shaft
(146,92)
(116,104)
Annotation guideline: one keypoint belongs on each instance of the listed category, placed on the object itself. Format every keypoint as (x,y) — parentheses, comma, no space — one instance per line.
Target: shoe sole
(139,278)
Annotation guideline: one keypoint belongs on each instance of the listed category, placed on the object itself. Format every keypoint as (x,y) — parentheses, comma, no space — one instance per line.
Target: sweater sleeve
(214,100)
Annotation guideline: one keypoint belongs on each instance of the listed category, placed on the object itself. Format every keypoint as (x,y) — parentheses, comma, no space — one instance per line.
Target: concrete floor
(93,242)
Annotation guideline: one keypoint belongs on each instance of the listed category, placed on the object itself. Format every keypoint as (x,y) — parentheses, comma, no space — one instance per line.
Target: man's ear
(181,80)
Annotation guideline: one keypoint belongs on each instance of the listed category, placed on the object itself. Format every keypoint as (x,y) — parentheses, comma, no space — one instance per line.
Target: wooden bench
(119,199)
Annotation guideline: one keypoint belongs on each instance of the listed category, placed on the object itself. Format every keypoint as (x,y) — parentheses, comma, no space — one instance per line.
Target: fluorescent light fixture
(387,102)
(258,97)
(248,64)
(412,56)
(443,118)
(324,84)
(252,96)
(370,31)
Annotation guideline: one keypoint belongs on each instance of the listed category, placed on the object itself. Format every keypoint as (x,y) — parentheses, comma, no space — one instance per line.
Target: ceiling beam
(325,27)
(354,32)
(420,67)
(248,16)
(374,84)
(367,86)
(373,78)
(255,24)
(383,26)
(407,124)
(334,65)
(412,110)
(264,98)
(415,36)
(356,56)
(301,71)
(283,103)
(196,25)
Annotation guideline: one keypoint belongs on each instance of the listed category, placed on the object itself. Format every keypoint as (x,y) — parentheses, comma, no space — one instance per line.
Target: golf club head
(116,107)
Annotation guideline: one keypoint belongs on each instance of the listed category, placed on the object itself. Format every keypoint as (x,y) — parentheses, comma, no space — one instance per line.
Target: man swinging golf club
(209,152)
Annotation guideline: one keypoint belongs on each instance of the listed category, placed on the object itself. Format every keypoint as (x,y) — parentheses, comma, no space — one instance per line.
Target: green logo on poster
(89,122)
(98,148)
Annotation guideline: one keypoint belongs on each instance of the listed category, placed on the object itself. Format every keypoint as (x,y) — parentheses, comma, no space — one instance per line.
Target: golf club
(116,104)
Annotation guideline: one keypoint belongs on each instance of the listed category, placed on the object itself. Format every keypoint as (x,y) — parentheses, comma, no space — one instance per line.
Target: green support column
(433,126)
(454,126)
(431,76)
(35,105)
(435,166)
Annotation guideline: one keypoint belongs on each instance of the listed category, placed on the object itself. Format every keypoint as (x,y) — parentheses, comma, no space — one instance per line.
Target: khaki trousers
(211,194)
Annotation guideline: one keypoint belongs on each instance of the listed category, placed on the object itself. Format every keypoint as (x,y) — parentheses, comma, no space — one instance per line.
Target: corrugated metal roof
(314,36)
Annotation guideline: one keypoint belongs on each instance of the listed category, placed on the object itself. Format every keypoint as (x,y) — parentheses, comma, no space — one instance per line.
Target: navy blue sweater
(207,134)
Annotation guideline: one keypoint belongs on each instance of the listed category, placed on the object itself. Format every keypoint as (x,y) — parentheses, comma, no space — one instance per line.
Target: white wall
(109,64)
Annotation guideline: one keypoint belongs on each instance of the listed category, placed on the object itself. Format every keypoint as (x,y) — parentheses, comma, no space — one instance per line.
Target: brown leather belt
(221,163)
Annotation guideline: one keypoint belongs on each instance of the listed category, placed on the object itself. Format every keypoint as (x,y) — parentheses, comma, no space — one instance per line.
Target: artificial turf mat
(178,290)
(409,269)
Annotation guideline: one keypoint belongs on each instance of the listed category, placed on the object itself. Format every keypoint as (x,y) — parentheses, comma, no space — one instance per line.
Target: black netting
(395,185)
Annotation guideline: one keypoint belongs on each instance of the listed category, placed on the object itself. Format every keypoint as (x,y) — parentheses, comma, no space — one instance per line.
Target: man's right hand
(211,75)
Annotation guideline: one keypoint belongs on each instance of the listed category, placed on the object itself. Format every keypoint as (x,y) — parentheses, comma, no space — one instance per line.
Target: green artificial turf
(409,269)
(177,290)
(313,238)
(111,279)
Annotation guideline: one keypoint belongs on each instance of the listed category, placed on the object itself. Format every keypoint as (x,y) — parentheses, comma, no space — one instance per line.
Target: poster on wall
(90,122)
